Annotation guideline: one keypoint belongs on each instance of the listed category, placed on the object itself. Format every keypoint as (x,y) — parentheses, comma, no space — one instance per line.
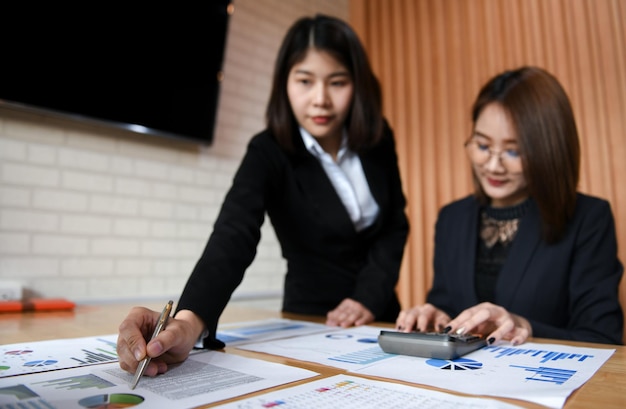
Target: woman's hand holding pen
(172,345)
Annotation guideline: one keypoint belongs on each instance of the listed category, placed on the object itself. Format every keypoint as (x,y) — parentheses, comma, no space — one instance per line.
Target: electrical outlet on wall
(10,290)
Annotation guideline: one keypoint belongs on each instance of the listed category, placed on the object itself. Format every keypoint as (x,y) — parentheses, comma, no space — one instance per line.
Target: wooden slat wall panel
(432,56)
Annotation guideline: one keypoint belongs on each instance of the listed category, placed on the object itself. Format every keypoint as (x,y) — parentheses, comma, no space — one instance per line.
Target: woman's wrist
(199,330)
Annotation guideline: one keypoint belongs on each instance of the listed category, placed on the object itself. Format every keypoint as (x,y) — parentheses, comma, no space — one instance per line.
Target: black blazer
(327,260)
(568,290)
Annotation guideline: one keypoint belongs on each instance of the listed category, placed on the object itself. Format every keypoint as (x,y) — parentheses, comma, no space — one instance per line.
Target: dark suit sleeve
(595,273)
(231,247)
(377,280)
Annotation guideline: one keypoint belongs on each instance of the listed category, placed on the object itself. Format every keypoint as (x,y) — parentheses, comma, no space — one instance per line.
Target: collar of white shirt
(314,147)
(348,179)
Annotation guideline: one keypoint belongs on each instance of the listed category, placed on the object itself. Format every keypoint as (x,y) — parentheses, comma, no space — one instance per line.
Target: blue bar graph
(363,357)
(545,374)
(543,355)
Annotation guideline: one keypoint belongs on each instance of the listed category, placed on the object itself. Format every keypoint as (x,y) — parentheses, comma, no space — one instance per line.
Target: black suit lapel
(524,246)
(467,232)
(374,174)
(321,197)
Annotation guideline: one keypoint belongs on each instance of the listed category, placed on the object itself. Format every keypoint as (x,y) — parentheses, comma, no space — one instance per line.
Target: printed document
(239,333)
(203,378)
(542,373)
(41,356)
(351,392)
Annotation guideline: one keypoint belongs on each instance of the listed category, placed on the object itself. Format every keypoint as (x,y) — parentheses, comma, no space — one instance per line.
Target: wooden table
(606,389)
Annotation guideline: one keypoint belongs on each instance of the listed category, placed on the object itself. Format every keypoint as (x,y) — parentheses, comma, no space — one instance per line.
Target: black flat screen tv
(154,69)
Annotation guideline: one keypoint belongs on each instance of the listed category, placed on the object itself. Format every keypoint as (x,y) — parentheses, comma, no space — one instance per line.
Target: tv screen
(153,70)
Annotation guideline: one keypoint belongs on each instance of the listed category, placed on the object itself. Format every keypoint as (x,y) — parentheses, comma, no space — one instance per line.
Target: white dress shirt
(346,175)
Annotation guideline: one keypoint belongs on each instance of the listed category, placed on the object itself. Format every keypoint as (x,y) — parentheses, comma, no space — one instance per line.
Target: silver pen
(159,327)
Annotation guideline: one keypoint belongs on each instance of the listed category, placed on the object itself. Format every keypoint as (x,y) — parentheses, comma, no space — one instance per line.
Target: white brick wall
(95,214)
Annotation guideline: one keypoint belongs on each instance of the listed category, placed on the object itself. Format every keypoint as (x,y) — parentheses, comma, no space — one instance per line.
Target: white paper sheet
(40,356)
(348,348)
(543,373)
(240,333)
(203,378)
(351,392)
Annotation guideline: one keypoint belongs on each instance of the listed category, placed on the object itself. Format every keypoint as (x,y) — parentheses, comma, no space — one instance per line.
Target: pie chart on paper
(460,364)
(42,362)
(112,401)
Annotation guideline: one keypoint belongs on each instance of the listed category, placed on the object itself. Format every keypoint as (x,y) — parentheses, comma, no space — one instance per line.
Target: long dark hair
(542,116)
(332,35)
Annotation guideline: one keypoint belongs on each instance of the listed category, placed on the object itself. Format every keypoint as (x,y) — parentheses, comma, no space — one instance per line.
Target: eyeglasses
(481,153)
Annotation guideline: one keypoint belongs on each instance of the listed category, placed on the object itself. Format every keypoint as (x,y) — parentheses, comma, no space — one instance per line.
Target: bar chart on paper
(543,373)
(346,348)
(88,382)
(264,330)
(20,359)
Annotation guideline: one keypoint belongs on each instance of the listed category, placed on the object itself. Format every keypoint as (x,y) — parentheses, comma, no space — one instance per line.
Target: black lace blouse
(498,227)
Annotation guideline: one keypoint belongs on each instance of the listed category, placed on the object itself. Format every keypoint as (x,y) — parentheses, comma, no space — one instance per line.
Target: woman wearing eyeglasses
(526,254)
